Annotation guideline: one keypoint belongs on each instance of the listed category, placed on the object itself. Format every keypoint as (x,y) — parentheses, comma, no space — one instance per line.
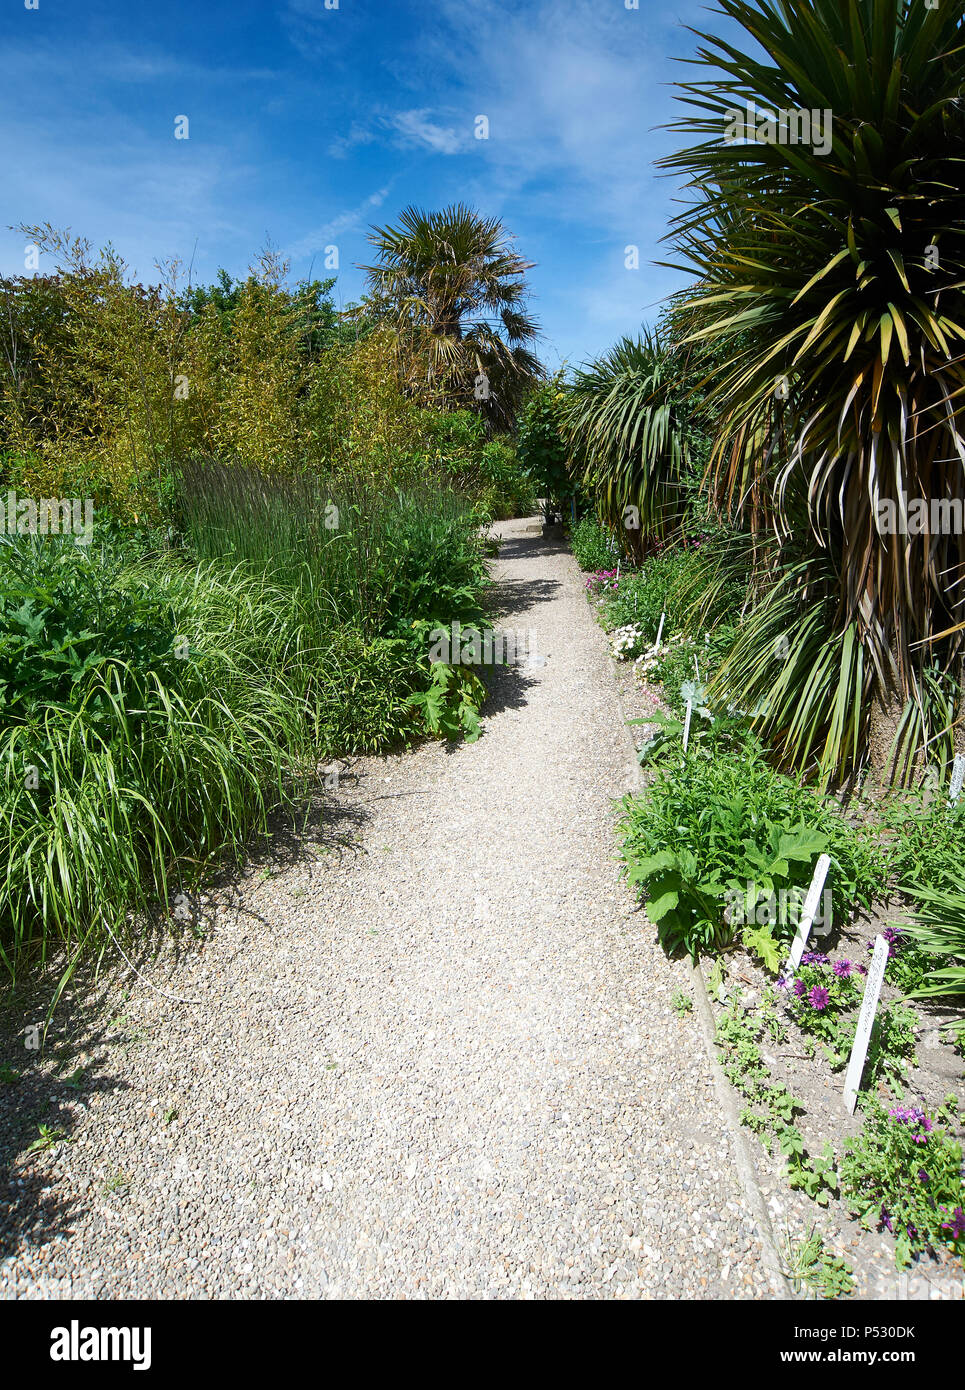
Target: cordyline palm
(627,438)
(838,278)
(454,288)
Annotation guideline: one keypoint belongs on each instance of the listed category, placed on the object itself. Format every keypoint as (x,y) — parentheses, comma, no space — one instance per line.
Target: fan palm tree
(627,435)
(834,266)
(454,288)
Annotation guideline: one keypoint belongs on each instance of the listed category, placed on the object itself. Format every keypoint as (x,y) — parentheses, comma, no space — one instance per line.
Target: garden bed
(784,1045)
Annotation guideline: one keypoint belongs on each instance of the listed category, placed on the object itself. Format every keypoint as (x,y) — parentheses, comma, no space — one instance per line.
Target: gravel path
(433,1056)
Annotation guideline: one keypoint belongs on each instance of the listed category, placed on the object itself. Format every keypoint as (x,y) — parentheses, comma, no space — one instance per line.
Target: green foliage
(828,286)
(822,1003)
(683,582)
(593,545)
(541,443)
(772,1120)
(924,839)
(627,430)
(903,1173)
(681,1003)
(938,930)
(451,704)
(452,286)
(813,1266)
(706,829)
(158,704)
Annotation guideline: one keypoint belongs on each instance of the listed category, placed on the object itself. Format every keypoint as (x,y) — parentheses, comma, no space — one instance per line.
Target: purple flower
(814,958)
(957,1224)
(890,935)
(799,987)
(923,1176)
(818,997)
(915,1117)
(842,968)
(885,1220)
(861,969)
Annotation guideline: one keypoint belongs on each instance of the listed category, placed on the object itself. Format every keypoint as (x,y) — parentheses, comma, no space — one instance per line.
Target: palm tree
(453,287)
(832,267)
(627,433)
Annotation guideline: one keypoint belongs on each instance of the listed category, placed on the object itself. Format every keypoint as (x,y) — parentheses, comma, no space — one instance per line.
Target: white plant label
(866,1018)
(958,777)
(690,710)
(660,630)
(807,915)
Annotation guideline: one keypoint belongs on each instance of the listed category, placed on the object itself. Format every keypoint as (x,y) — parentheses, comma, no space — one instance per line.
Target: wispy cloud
(328,233)
(417,130)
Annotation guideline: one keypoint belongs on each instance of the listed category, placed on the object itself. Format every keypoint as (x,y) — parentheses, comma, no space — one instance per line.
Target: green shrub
(674,582)
(703,831)
(593,546)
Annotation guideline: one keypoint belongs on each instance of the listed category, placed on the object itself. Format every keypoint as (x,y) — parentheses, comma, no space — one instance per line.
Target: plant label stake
(690,710)
(807,915)
(958,777)
(660,630)
(866,1018)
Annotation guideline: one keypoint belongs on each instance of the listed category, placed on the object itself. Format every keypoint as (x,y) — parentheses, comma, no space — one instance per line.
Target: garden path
(433,1055)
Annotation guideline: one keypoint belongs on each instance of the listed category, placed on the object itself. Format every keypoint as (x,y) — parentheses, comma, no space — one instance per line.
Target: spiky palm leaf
(454,288)
(626,430)
(838,277)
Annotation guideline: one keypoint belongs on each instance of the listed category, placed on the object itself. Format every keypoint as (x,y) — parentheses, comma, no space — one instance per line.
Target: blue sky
(308,123)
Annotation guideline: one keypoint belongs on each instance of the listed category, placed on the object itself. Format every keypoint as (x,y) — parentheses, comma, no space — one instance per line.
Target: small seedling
(681,1003)
(76,1079)
(119,1182)
(49,1138)
(170,1115)
(8,1076)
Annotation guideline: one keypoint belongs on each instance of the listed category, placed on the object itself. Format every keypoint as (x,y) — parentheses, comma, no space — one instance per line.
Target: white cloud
(328,233)
(416,129)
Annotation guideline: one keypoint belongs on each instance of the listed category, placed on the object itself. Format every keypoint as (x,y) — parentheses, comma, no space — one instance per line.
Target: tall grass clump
(149,723)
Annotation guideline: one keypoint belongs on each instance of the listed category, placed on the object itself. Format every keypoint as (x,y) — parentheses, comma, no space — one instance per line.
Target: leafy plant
(593,544)
(938,930)
(627,429)
(708,828)
(812,1265)
(902,1173)
(681,1003)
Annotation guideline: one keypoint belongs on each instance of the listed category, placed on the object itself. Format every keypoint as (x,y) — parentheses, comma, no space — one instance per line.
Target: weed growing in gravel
(813,1266)
(118,1182)
(681,1003)
(48,1138)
